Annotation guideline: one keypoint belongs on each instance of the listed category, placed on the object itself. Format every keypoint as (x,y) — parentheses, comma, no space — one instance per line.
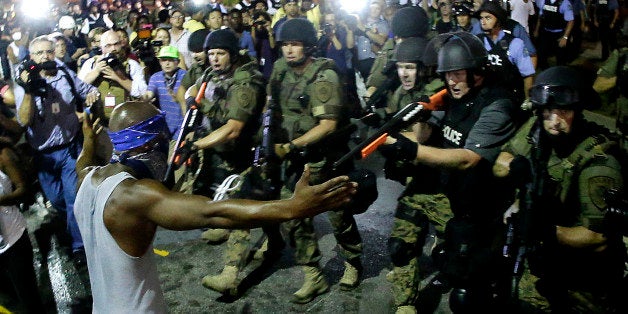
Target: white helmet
(66,22)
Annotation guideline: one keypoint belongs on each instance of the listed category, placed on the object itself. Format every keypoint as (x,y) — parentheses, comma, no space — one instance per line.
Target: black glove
(405,148)
(395,170)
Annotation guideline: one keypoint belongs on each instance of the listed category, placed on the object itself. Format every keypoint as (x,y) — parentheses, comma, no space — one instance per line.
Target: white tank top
(120,283)
(12,222)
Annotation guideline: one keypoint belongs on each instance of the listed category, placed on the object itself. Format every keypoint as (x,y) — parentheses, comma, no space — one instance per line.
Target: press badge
(55,107)
(110,101)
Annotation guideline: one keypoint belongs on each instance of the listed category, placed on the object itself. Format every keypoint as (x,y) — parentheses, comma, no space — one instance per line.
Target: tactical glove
(403,149)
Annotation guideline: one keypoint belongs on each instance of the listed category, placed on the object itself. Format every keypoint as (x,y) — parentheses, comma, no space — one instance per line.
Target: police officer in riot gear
(418,201)
(232,102)
(476,122)
(308,91)
(406,23)
(580,262)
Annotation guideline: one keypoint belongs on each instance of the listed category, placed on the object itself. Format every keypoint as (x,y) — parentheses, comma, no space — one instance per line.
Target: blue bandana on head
(139,134)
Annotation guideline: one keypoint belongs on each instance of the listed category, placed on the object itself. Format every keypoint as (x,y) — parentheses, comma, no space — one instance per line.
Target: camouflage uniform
(617,66)
(192,75)
(304,99)
(579,279)
(234,95)
(419,204)
(376,78)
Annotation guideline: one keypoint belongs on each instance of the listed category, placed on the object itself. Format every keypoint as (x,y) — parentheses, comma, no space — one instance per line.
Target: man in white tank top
(119,206)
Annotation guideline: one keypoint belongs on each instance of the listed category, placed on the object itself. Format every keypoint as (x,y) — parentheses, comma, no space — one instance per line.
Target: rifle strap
(593,147)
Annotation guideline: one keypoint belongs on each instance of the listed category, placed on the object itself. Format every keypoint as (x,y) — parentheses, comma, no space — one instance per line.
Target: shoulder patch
(243,94)
(323,91)
(597,186)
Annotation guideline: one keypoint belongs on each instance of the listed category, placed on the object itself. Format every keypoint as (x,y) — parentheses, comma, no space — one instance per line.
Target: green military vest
(235,96)
(564,173)
(112,88)
(377,78)
(306,98)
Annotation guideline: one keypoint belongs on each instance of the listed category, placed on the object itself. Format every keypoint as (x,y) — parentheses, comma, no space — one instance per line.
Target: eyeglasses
(116,44)
(558,95)
(178,17)
(42,52)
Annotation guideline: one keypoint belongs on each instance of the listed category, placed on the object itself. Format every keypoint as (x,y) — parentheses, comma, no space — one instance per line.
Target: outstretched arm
(149,200)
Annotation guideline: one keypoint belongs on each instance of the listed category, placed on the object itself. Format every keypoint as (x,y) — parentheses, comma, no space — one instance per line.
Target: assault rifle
(264,181)
(408,115)
(191,122)
(523,235)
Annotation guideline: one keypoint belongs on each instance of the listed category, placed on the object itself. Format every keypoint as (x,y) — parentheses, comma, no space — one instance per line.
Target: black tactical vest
(601,11)
(552,18)
(506,72)
(474,192)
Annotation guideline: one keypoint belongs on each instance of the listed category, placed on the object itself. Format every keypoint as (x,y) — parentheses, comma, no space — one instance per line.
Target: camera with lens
(144,48)
(95,51)
(113,62)
(328,29)
(616,212)
(35,84)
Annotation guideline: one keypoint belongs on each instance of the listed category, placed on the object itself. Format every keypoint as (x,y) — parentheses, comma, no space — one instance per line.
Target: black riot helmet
(457,51)
(223,39)
(196,40)
(410,50)
(298,29)
(410,22)
(563,87)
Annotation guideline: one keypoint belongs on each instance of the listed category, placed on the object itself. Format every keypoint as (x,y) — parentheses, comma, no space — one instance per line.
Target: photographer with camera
(576,254)
(116,77)
(47,97)
(264,40)
(93,45)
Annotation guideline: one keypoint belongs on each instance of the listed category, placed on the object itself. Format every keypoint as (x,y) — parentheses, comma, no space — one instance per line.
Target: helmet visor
(554,95)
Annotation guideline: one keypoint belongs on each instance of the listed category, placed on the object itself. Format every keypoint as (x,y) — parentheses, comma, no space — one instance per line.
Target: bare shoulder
(138,196)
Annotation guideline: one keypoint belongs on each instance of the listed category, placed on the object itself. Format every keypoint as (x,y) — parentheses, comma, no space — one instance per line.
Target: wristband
(291,146)
(565,37)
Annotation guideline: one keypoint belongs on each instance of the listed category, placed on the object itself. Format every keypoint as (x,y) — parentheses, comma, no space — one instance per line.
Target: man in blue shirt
(605,17)
(244,37)
(506,53)
(50,117)
(553,29)
(162,86)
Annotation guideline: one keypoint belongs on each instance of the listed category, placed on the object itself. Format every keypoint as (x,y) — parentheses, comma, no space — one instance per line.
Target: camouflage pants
(412,216)
(303,237)
(572,301)
(202,178)
(239,242)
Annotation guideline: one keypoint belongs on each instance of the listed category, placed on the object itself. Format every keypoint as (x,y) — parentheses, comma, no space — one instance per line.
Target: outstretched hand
(315,199)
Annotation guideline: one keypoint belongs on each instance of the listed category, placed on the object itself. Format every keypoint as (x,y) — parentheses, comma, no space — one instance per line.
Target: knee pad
(469,300)
(401,252)
(411,215)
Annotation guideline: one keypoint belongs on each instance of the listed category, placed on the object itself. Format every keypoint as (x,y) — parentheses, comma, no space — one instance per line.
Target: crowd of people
(105,97)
